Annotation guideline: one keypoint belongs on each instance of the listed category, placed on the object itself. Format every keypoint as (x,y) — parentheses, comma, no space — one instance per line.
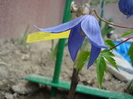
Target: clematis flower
(126,7)
(81,27)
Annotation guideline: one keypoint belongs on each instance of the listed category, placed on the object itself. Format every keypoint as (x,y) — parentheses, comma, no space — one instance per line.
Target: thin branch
(121,43)
(109,22)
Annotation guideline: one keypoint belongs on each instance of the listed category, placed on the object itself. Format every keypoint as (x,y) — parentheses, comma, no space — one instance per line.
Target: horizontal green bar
(80,88)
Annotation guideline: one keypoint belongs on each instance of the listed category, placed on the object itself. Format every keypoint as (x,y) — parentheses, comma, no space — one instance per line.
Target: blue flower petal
(92,30)
(126,7)
(75,41)
(63,27)
(128,16)
(95,51)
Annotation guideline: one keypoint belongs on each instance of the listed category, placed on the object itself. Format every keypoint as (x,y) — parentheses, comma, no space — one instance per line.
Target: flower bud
(126,7)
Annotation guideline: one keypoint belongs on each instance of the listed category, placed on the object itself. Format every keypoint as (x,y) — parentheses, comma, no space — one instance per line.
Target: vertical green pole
(66,17)
(102,11)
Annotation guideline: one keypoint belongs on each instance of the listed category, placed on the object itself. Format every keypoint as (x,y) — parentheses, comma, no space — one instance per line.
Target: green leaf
(108,55)
(94,2)
(54,50)
(112,62)
(111,1)
(100,68)
(130,53)
(127,33)
(22,40)
(101,64)
(81,60)
(106,30)
(109,43)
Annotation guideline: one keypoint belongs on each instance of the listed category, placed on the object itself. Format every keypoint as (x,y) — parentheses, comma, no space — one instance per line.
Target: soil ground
(18,61)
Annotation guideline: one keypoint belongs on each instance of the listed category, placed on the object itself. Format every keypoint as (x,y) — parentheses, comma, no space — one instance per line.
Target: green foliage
(22,40)
(98,2)
(111,1)
(129,88)
(108,55)
(130,53)
(100,69)
(106,30)
(109,43)
(94,2)
(54,49)
(101,64)
(127,33)
(81,60)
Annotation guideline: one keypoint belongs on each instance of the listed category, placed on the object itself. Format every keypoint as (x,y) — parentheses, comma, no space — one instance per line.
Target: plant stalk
(74,82)
(121,43)
(109,22)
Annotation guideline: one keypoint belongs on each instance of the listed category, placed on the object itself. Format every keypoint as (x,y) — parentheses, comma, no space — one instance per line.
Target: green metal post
(102,11)
(66,17)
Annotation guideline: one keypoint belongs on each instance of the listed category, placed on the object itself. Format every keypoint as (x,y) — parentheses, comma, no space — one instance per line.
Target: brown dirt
(18,61)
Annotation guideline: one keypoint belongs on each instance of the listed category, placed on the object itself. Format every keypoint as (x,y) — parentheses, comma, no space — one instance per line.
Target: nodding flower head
(126,7)
(90,28)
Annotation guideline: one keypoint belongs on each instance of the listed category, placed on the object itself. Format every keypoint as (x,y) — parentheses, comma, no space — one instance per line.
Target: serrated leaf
(100,68)
(112,62)
(109,43)
(101,64)
(130,53)
(127,33)
(81,60)
(108,55)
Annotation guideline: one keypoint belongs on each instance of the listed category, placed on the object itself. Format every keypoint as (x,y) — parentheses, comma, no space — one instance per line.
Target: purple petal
(63,27)
(126,7)
(128,16)
(95,51)
(92,30)
(75,41)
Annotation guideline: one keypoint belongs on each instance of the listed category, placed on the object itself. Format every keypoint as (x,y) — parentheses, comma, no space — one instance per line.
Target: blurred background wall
(16,15)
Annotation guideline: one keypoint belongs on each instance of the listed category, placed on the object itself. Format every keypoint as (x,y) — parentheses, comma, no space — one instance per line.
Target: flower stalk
(121,43)
(74,83)
(109,22)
